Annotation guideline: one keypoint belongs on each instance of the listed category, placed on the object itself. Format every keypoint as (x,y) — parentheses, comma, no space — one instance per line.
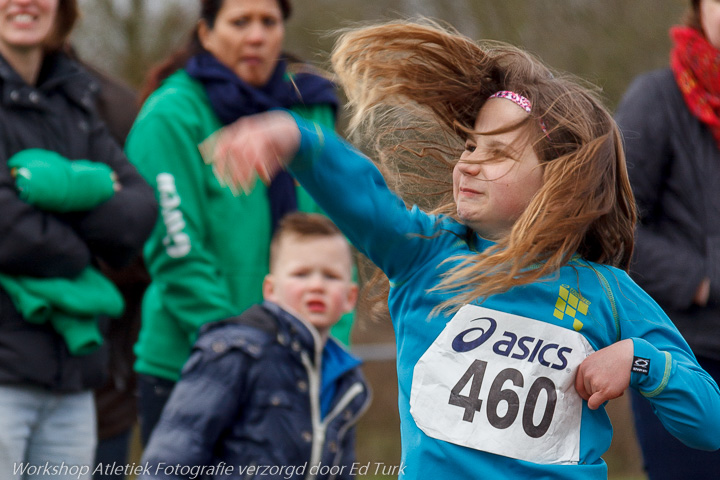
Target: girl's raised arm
(345,183)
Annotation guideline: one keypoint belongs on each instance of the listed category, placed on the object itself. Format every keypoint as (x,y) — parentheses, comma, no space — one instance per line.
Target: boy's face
(311,277)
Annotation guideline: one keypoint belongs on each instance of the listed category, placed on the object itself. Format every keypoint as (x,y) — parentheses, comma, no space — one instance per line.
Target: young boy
(269,394)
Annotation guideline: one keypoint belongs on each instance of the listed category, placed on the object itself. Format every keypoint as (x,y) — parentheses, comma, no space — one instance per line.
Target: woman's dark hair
(209,10)
(692,16)
(67,14)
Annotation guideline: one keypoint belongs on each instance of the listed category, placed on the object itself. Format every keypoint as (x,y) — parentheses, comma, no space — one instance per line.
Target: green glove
(51,182)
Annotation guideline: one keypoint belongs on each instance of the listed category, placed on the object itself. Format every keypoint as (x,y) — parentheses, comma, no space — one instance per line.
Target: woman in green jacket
(208,253)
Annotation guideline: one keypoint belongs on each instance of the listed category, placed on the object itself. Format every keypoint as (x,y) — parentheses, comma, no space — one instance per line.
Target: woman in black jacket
(670,119)
(69,198)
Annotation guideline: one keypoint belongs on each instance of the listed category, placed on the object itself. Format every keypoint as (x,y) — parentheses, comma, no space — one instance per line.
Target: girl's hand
(258,144)
(605,374)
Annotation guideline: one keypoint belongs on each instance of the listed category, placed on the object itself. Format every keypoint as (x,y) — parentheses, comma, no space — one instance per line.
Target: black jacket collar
(58,74)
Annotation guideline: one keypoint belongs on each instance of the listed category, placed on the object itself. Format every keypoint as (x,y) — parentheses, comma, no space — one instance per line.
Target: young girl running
(515,320)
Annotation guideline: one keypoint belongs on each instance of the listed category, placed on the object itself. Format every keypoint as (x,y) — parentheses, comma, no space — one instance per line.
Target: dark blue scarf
(232,98)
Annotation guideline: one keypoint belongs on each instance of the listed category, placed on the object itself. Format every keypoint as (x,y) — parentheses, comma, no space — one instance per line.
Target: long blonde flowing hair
(414,90)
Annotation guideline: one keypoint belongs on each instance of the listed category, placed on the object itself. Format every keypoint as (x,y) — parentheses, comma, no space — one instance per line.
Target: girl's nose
(469,168)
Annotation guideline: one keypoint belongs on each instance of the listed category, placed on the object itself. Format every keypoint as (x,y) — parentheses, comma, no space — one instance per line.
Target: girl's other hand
(260,144)
(605,374)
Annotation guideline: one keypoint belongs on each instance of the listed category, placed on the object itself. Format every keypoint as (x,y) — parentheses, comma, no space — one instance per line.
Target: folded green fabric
(81,335)
(71,305)
(51,182)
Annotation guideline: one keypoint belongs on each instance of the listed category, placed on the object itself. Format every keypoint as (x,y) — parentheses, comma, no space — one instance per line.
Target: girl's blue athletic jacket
(488,391)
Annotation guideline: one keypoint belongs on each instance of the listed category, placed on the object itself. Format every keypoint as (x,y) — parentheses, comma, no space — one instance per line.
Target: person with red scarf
(670,119)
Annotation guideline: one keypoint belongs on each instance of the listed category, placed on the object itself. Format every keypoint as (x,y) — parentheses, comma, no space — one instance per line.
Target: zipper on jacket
(319,425)
(251,468)
(354,391)
(318,436)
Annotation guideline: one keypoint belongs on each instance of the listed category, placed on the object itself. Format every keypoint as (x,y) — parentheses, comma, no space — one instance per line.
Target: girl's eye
(496,157)
(470,147)
(505,154)
(270,21)
(241,22)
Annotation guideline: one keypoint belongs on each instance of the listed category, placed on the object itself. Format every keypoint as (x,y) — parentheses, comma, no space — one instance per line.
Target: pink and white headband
(521,102)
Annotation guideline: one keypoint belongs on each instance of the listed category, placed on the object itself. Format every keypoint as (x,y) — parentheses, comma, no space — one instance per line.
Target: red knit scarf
(696,66)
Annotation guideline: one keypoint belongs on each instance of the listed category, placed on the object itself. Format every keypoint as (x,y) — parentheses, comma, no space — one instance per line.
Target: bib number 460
(473,403)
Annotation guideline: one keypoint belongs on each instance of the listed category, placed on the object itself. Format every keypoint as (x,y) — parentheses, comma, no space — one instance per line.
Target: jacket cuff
(651,368)
(312,140)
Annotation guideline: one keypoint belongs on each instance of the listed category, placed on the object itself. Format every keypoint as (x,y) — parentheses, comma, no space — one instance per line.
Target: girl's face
(247,37)
(710,21)
(25,25)
(498,174)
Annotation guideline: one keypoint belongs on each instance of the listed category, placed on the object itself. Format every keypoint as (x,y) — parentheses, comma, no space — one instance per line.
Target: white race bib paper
(503,384)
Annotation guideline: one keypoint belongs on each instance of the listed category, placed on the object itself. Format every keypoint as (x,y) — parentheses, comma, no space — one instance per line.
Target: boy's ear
(352,296)
(268,287)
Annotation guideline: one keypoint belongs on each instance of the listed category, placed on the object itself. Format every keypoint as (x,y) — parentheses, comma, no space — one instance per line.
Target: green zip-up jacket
(208,253)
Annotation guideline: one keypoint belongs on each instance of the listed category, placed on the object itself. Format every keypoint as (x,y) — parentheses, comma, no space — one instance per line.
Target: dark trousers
(664,456)
(112,452)
(153,393)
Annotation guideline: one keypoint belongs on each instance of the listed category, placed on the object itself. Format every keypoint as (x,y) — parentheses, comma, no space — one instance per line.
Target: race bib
(503,384)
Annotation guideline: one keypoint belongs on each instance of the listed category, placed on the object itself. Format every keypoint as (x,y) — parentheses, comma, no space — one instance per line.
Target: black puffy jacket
(674,167)
(58,114)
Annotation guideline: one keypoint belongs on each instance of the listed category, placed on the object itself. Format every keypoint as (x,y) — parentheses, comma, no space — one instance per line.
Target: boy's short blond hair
(302,225)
